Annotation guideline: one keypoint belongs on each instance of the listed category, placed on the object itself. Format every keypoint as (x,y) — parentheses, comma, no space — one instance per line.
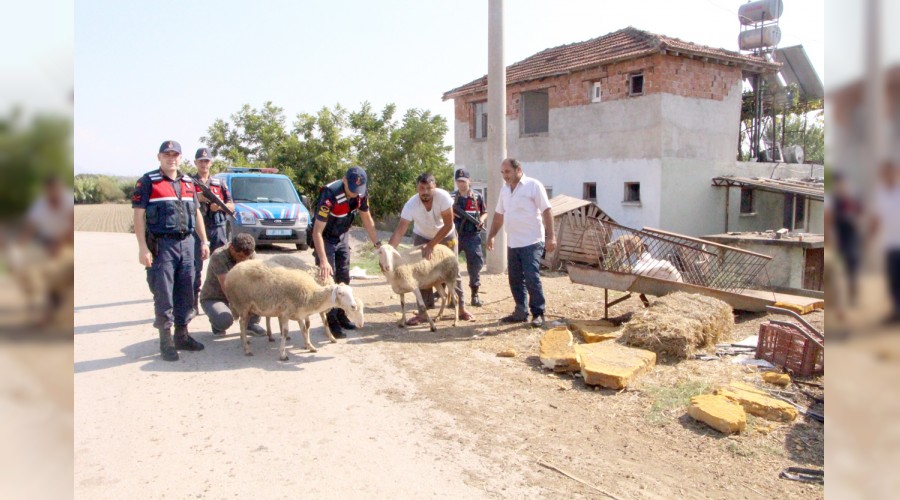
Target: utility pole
(496,259)
(874,99)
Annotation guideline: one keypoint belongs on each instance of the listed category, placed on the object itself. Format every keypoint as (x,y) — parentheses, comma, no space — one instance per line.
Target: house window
(549,190)
(590,191)
(595,92)
(479,114)
(632,192)
(535,114)
(636,84)
(746,201)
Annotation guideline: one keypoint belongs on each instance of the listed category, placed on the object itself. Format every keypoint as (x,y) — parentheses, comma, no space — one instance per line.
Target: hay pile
(677,324)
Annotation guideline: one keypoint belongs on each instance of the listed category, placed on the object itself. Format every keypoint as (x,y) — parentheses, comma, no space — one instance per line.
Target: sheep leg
(305,328)
(245,320)
(283,322)
(422,311)
(325,324)
(443,294)
(402,323)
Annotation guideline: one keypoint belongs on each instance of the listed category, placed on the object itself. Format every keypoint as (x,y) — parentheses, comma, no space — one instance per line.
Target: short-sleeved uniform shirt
(427,223)
(521,210)
(472,205)
(337,211)
(220,262)
(215,218)
(161,196)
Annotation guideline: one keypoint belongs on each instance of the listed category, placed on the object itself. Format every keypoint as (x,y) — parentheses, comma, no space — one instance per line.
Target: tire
(302,246)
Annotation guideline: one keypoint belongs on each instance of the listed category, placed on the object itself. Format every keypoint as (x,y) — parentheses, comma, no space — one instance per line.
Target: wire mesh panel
(672,257)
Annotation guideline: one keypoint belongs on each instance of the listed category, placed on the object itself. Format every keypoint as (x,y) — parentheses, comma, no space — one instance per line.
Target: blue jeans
(524,266)
(893,271)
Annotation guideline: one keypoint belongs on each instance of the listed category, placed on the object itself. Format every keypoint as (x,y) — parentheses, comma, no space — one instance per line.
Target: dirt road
(390,412)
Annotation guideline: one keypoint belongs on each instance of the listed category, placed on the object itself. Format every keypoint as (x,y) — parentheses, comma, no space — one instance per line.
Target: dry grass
(677,324)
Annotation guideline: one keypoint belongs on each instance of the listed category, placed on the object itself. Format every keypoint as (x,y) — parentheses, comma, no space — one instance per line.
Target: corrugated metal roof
(628,43)
(812,190)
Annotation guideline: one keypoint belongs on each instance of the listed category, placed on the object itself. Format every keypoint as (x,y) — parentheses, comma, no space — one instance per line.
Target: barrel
(758,38)
(760,11)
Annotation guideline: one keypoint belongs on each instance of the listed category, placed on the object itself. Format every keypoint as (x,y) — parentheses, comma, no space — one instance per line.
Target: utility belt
(153,240)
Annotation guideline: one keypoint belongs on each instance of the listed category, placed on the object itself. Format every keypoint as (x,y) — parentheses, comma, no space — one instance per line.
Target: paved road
(218,424)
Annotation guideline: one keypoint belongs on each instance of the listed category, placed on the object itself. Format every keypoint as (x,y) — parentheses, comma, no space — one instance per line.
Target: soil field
(104,218)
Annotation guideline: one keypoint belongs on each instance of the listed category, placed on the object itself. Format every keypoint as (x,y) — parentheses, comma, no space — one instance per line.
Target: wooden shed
(570,221)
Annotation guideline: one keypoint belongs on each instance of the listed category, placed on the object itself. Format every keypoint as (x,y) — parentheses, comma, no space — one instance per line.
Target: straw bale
(677,324)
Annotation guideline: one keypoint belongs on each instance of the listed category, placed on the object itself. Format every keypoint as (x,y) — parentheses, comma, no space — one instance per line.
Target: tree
(251,139)
(321,147)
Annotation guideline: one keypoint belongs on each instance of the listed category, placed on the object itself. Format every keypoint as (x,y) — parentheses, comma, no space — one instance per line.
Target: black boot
(476,300)
(334,324)
(185,342)
(345,322)
(166,346)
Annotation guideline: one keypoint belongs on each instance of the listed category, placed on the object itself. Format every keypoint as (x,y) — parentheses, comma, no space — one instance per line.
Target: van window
(263,190)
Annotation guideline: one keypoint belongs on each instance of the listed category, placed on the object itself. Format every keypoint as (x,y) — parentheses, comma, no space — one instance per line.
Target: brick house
(638,122)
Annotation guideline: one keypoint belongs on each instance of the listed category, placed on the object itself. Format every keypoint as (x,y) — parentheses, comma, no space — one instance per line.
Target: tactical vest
(170,212)
(343,210)
(471,205)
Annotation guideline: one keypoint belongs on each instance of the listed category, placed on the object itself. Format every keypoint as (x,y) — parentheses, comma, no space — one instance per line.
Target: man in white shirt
(525,210)
(887,222)
(430,211)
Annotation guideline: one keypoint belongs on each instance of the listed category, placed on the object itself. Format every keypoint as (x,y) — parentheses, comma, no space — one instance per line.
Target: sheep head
(387,258)
(343,298)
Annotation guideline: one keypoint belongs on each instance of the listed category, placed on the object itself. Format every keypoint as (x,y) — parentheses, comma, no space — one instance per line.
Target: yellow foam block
(593,331)
(613,365)
(558,352)
(757,402)
(718,412)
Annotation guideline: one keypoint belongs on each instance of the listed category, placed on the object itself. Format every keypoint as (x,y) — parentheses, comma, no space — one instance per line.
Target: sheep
(252,287)
(656,268)
(410,272)
(292,262)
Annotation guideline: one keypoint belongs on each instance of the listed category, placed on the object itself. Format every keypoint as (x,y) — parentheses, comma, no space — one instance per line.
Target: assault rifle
(469,217)
(209,195)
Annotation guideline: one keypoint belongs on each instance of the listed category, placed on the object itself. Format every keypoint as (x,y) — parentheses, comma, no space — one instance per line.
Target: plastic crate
(793,347)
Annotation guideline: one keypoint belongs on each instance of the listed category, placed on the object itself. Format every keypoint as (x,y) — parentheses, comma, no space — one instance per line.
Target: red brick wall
(662,73)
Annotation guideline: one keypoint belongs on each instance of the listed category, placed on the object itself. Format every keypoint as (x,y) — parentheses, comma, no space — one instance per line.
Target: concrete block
(613,365)
(558,352)
(718,412)
(757,402)
(593,331)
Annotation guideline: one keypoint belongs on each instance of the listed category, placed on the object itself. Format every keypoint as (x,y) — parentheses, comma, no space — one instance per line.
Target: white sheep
(252,287)
(409,272)
(293,262)
(656,268)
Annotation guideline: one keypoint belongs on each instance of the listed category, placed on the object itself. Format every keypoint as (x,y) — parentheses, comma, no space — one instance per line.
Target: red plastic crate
(792,347)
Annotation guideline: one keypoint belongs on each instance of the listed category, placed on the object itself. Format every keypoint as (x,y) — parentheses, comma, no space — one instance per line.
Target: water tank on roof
(794,154)
(758,38)
(760,11)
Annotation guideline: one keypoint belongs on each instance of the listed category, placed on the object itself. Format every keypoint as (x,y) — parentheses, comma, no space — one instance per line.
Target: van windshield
(263,190)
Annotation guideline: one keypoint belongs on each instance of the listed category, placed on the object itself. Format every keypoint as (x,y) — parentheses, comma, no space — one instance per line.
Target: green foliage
(91,188)
(29,153)
(799,118)
(321,146)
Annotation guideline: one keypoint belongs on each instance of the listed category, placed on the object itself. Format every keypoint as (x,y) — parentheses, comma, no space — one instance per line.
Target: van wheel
(302,246)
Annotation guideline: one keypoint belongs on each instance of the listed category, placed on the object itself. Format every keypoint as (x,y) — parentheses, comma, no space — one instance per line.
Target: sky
(151,71)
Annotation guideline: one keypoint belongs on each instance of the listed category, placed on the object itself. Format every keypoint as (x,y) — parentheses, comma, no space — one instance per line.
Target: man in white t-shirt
(430,211)
(525,210)
(887,222)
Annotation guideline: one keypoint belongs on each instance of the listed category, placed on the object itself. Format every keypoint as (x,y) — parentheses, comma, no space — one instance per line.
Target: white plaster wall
(700,128)
(769,210)
(690,204)
(569,178)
